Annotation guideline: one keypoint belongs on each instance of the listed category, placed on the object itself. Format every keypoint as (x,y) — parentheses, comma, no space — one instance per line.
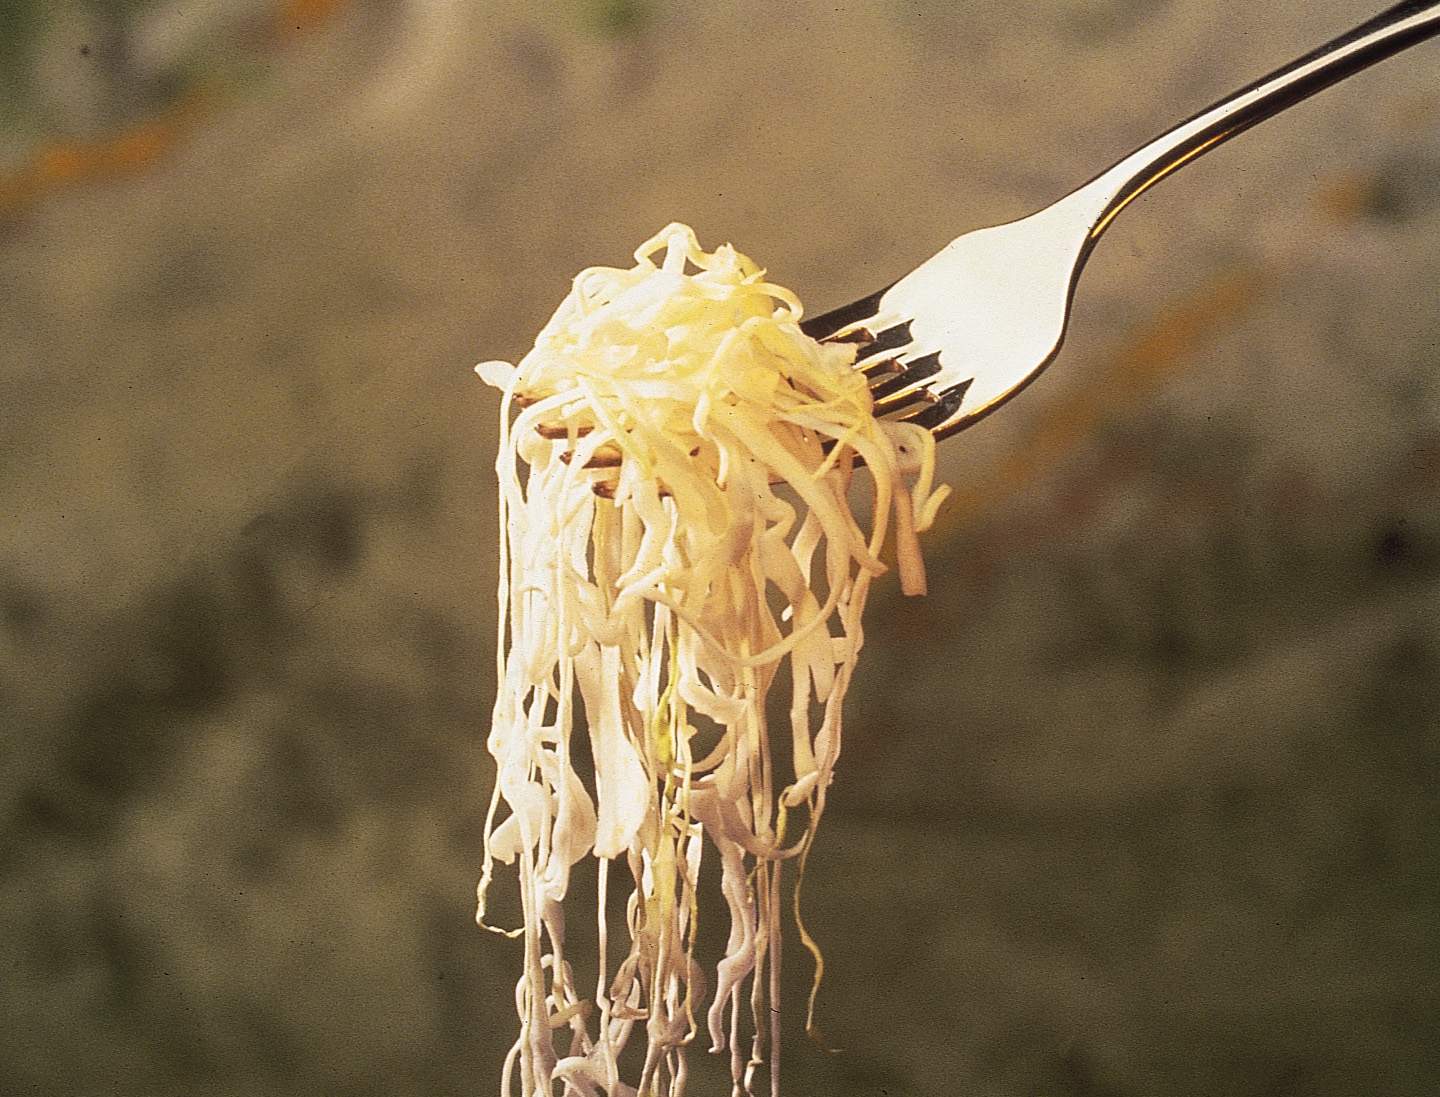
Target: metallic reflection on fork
(971,327)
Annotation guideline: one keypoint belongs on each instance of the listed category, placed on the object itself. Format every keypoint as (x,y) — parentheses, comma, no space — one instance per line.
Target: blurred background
(1141,800)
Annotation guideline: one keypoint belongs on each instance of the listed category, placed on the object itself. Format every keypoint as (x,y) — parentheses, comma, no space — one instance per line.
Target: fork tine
(912,374)
(826,325)
(605,457)
(892,404)
(861,336)
(946,404)
(891,339)
(560,430)
(886,367)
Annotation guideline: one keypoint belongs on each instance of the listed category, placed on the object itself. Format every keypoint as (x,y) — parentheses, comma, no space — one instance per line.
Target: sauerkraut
(677,542)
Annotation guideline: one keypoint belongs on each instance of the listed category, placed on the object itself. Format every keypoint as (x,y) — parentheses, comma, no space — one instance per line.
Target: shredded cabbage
(675,531)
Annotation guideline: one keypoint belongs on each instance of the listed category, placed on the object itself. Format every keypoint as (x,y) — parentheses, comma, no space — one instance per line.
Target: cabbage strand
(675,531)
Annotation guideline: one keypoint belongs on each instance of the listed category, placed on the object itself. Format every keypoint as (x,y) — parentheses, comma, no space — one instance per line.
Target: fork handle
(1388,33)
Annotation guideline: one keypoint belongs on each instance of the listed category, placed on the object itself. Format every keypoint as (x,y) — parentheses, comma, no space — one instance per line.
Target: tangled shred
(675,533)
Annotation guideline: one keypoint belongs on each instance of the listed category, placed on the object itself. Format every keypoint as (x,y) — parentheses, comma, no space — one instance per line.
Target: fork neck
(1388,33)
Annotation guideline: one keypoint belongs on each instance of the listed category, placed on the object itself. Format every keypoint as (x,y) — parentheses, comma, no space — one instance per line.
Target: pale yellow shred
(676,530)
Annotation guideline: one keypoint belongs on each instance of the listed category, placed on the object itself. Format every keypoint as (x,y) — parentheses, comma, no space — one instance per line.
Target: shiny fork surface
(969,328)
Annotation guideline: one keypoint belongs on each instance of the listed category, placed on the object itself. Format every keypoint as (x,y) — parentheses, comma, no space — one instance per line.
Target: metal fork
(958,336)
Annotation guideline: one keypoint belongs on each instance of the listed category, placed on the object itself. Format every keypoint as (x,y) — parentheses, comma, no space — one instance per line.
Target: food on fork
(678,545)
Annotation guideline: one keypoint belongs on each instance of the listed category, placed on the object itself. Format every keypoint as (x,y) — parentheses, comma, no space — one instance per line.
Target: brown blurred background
(1142,800)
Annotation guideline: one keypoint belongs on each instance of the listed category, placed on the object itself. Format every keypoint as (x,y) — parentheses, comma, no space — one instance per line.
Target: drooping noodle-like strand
(675,464)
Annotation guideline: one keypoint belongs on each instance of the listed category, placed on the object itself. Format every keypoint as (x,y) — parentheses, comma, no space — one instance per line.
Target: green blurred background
(1142,800)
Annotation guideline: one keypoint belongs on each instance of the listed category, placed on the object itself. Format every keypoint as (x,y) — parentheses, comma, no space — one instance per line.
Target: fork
(969,328)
